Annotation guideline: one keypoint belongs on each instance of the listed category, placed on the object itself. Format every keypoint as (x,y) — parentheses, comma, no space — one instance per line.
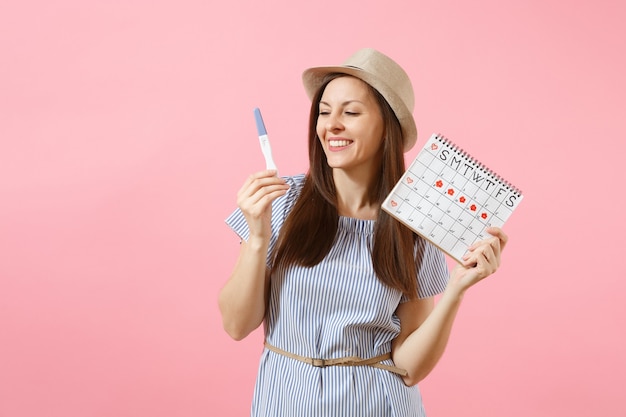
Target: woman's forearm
(422,349)
(243,300)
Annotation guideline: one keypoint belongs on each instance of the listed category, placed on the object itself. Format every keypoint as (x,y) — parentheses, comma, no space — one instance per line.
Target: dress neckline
(353,224)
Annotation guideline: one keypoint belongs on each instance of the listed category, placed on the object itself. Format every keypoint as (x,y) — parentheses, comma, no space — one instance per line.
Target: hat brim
(314,77)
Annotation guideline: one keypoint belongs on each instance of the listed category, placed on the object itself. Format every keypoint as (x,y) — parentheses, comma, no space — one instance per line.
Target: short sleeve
(432,271)
(281,207)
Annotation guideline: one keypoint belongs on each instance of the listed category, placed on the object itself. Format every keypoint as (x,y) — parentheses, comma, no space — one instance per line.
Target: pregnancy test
(265,142)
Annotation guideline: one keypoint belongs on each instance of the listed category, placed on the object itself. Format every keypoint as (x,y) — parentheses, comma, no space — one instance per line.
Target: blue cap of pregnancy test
(260,126)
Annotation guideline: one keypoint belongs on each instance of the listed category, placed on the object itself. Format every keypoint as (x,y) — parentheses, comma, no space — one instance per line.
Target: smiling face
(350,126)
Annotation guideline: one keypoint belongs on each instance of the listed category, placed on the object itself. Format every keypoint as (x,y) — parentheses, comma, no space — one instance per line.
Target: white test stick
(265,142)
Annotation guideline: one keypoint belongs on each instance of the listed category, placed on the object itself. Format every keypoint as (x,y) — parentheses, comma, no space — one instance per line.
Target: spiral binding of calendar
(479,165)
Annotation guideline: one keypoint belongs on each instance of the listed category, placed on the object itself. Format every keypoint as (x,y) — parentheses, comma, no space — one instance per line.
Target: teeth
(338,143)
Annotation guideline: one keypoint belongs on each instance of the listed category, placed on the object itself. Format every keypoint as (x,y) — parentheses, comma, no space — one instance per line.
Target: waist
(375,362)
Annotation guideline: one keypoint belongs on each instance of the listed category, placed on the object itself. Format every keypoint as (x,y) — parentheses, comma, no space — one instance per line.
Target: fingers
(498,239)
(497,232)
(488,258)
(259,190)
(483,259)
(485,255)
(257,180)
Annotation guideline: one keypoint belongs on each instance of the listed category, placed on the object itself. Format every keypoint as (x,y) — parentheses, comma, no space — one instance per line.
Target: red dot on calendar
(484,215)
(393,203)
(450,191)
(439,183)
(409,180)
(434,147)
(462,199)
(473,207)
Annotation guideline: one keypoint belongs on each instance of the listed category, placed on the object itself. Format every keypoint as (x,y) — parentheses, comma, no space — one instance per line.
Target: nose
(333,122)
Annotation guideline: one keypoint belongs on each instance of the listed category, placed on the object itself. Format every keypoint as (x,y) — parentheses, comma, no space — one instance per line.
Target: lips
(338,144)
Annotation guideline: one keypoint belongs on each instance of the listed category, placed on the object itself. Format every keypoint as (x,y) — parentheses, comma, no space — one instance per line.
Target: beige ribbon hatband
(345,361)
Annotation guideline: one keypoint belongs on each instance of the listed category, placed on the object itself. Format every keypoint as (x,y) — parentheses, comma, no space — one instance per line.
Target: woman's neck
(354,196)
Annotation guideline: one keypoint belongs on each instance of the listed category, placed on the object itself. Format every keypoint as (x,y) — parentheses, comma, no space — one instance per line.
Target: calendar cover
(450,198)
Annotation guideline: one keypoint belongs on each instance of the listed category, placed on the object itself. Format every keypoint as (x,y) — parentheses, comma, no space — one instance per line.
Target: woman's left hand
(482,259)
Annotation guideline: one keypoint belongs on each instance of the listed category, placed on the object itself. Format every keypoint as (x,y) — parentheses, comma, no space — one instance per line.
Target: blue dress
(337,308)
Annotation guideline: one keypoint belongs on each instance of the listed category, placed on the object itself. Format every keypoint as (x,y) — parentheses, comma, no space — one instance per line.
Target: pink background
(126,129)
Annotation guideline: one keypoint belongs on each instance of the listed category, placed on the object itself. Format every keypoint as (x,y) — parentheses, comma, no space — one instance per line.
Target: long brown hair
(309,231)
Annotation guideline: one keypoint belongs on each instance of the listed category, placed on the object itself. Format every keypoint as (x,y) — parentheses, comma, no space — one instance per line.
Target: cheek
(379,133)
(319,130)
(376,133)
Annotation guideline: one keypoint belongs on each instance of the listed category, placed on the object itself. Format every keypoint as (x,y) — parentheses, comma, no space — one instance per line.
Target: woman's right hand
(255,201)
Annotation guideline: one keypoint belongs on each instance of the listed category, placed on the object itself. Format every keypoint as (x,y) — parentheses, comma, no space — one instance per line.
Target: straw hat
(382,73)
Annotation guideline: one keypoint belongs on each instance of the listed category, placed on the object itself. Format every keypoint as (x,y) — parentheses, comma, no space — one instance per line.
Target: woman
(345,291)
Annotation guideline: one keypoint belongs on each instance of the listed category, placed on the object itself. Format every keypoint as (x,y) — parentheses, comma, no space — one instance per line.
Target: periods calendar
(450,198)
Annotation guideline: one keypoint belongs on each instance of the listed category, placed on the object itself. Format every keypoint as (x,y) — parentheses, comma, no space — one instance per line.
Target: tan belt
(345,361)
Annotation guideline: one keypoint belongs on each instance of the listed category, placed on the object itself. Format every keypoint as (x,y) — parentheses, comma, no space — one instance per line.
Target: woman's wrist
(454,289)
(258,243)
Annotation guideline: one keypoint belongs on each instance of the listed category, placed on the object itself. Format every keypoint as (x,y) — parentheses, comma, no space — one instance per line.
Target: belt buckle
(318,363)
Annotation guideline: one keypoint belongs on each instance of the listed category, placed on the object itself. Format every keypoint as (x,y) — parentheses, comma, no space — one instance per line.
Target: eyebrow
(344,103)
